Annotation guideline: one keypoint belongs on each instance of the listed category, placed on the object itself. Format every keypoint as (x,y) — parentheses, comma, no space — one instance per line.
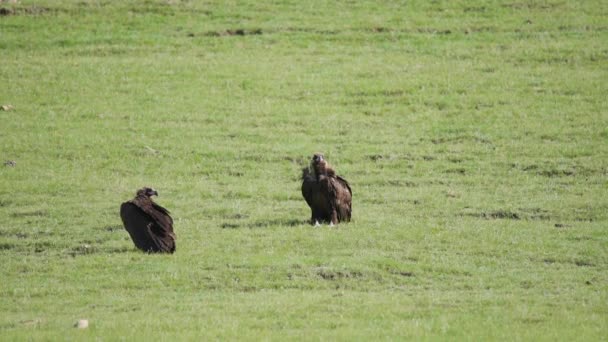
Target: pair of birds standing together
(151,227)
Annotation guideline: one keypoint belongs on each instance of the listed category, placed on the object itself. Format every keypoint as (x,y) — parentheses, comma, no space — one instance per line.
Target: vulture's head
(317,159)
(146,192)
(318,164)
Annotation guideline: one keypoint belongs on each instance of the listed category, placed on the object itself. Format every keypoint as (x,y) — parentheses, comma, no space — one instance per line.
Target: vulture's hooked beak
(152,192)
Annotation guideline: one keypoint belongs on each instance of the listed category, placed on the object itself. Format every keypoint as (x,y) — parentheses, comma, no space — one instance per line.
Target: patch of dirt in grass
(35,213)
(5,246)
(392,157)
(583,263)
(403,183)
(297,161)
(557,172)
(235,195)
(520,214)
(526,284)
(403,273)
(248,289)
(430,30)
(458,171)
(328,274)
(562,170)
(496,215)
(388,182)
(475,9)
(288,223)
(532,320)
(42,246)
(460,139)
(18,235)
(549,261)
(31,322)
(32,10)
(536,213)
(576,262)
(375,157)
(83,249)
(7,325)
(232,32)
(263,224)
(118,249)
(380,93)
(532,5)
(111,228)
(455,160)
(311,30)
(380,29)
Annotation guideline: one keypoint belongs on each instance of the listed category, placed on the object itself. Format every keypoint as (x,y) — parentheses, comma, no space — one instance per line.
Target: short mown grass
(474,135)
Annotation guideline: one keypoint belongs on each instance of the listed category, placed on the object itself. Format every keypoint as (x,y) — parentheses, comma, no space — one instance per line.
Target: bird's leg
(334,217)
(316,219)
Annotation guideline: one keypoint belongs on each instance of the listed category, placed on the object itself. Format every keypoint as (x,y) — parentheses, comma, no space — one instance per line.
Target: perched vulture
(328,195)
(149,224)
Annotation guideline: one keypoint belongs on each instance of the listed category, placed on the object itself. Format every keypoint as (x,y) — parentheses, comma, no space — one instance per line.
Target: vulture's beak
(153,193)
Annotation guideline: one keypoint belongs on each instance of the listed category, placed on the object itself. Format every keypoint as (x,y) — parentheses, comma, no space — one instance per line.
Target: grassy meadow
(474,135)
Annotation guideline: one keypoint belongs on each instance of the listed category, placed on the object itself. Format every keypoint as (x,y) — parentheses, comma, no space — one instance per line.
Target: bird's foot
(317,224)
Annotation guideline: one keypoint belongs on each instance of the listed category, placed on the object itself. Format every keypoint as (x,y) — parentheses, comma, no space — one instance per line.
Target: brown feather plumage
(328,195)
(149,224)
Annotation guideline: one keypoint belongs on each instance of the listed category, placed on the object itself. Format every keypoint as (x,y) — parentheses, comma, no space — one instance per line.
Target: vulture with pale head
(328,195)
(148,224)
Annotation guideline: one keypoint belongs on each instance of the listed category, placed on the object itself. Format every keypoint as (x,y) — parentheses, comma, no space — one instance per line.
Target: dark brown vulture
(149,224)
(328,195)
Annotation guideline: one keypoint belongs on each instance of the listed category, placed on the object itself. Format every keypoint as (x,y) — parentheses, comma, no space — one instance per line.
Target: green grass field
(474,135)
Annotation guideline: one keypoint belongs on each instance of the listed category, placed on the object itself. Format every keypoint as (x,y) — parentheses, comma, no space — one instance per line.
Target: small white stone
(82,324)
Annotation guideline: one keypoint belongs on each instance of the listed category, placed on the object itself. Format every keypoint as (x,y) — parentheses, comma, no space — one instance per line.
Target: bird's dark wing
(160,215)
(341,198)
(136,222)
(345,184)
(165,215)
(308,183)
(151,230)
